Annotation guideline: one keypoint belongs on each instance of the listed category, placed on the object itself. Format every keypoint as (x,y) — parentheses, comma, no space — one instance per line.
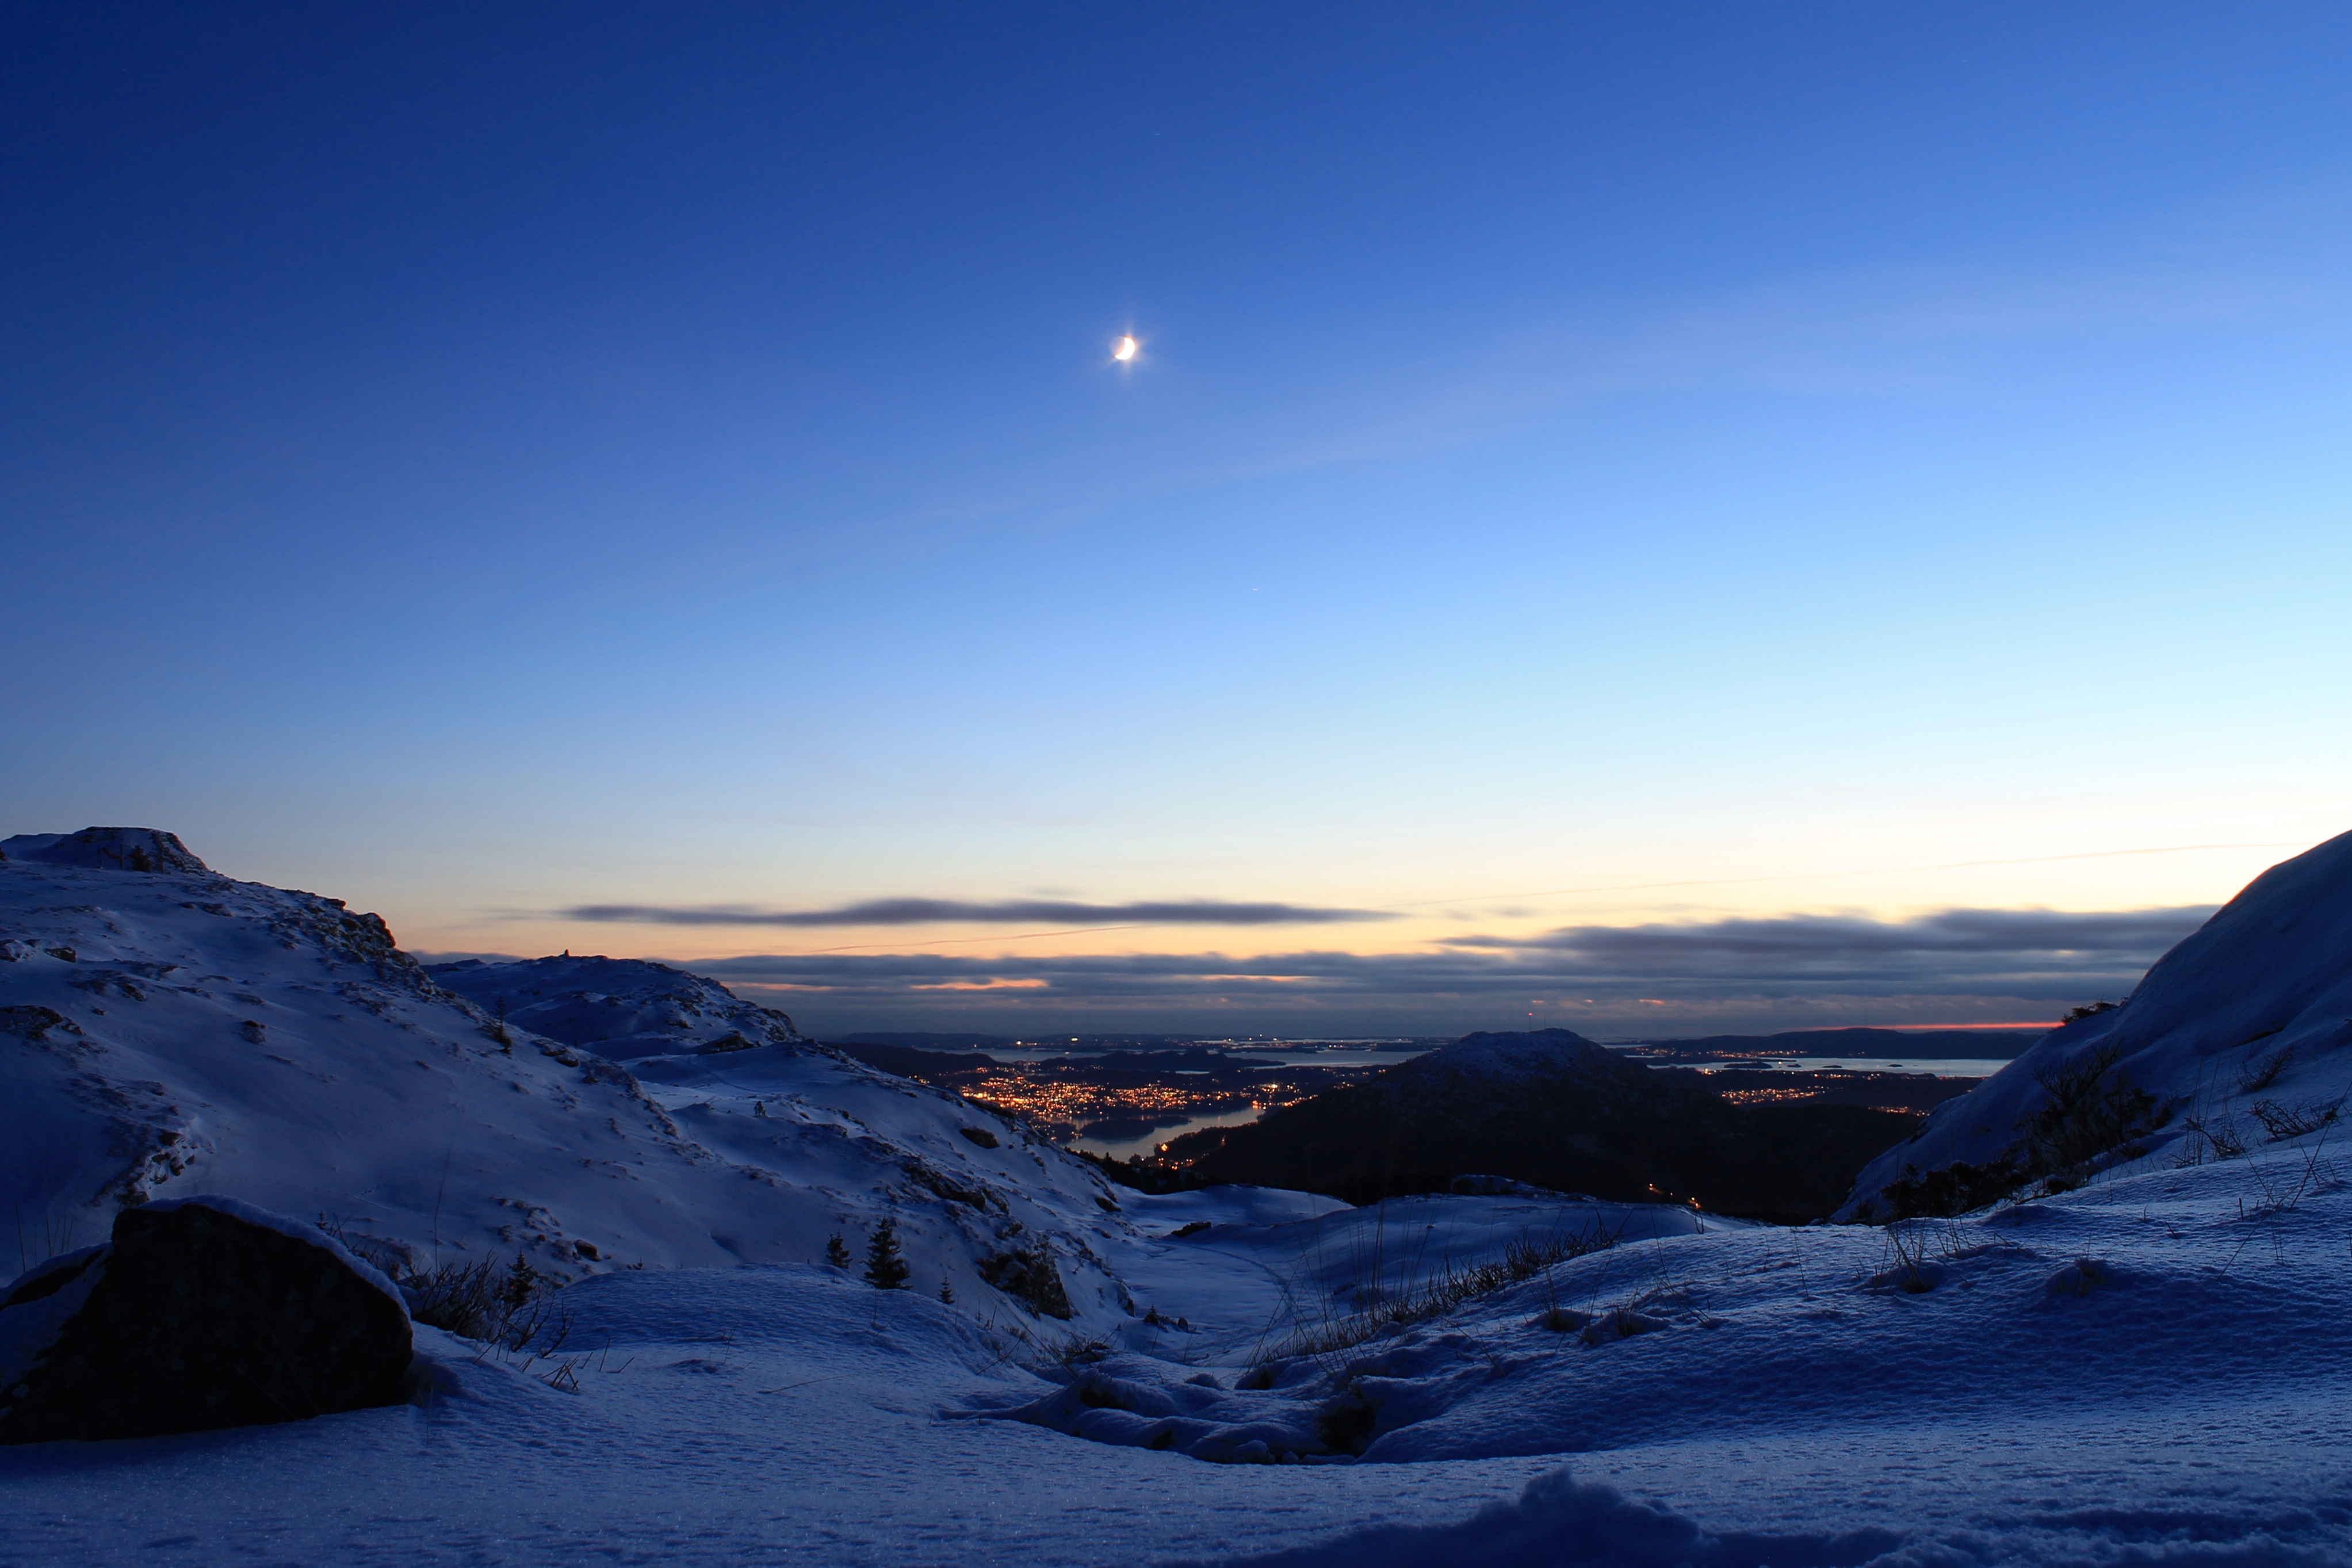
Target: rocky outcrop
(200,1313)
(1027,1275)
(107,849)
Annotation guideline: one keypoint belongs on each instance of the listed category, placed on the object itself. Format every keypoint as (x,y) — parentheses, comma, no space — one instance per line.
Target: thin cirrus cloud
(956,911)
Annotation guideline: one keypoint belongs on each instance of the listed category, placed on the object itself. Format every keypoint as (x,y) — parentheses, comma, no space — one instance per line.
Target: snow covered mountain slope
(2241,1032)
(621,1008)
(1975,1396)
(174,1031)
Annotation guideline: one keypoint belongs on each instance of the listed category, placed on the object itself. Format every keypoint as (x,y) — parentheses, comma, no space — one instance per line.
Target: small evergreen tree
(947,1292)
(836,1252)
(886,1269)
(520,1286)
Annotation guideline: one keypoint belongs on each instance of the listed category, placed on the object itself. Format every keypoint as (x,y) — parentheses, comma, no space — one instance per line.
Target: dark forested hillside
(1555,1109)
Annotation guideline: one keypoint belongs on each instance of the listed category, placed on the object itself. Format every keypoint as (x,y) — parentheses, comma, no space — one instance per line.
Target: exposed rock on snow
(112,849)
(200,1313)
(1028,1274)
(2240,1034)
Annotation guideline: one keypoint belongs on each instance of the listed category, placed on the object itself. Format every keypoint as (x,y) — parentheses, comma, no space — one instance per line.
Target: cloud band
(956,911)
(1959,962)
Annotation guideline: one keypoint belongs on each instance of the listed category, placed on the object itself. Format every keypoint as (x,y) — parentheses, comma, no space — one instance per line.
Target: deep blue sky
(489,462)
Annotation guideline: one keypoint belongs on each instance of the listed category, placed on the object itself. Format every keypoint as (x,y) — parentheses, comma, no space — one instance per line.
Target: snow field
(1797,1404)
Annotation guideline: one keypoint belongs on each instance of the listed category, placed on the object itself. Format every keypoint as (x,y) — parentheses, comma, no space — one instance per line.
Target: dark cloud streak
(947,911)
(1846,939)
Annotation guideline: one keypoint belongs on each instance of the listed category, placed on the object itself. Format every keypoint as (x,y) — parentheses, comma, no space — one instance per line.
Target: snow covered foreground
(2155,1368)
(2183,1399)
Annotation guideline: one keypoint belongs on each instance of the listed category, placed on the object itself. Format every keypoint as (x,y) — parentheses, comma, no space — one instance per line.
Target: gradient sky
(1621,514)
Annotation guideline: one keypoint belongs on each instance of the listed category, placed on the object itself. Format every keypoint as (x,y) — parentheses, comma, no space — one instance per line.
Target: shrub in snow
(459,1297)
(1524,1258)
(2090,1108)
(2285,1121)
(199,1313)
(1956,1189)
(483,1300)
(2264,1071)
(2090,1111)
(836,1251)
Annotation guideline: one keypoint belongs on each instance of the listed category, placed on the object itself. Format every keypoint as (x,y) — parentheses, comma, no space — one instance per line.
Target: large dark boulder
(202,1312)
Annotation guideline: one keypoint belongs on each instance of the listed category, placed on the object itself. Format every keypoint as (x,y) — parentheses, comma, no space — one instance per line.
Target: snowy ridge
(170,1032)
(621,1008)
(2255,1008)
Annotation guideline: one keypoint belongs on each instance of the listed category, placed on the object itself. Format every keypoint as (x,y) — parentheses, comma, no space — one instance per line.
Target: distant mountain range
(917,1040)
(921,1041)
(1893,1045)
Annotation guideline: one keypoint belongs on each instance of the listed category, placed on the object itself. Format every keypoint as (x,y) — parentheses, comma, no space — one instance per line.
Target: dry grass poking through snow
(1435,1294)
